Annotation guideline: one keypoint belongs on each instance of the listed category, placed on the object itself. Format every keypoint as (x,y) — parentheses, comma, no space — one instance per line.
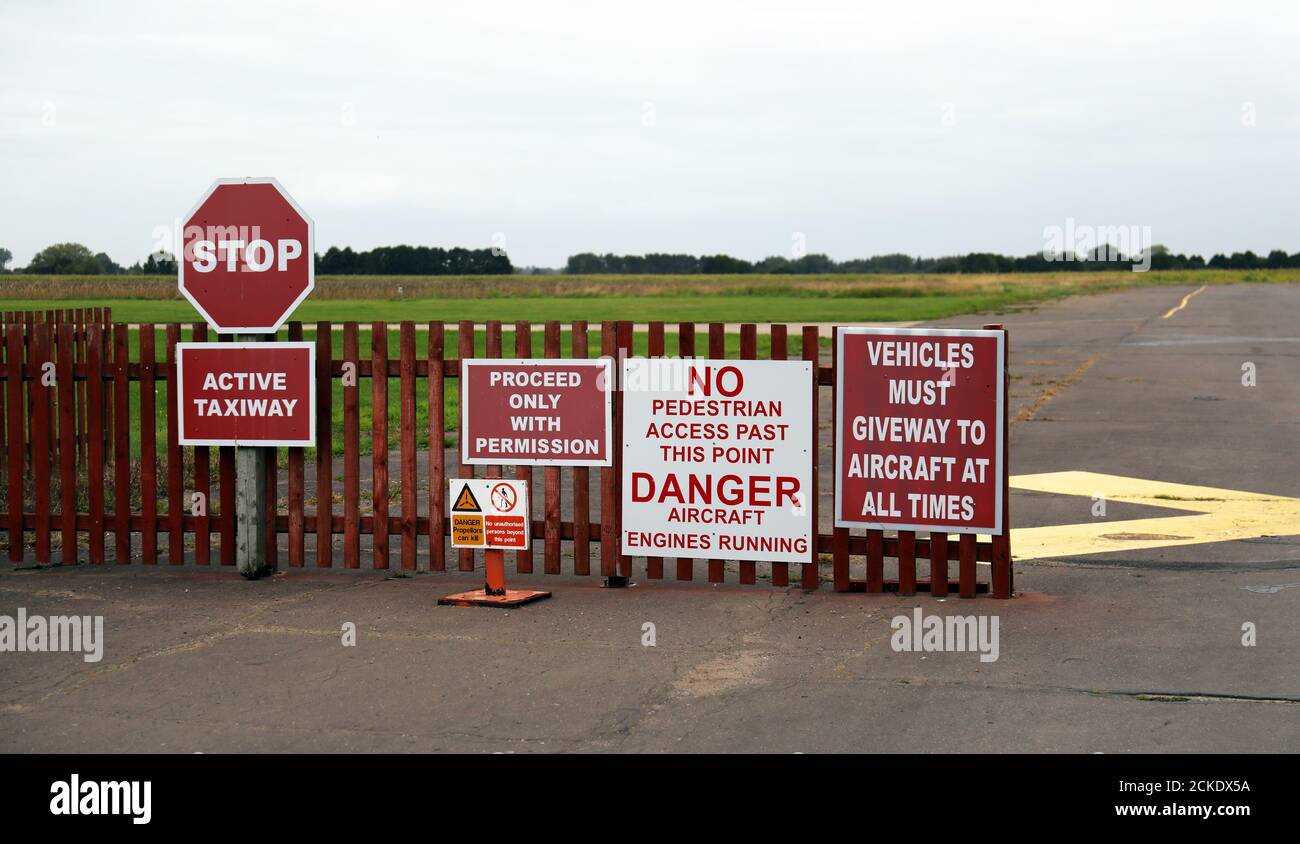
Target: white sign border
(1000,527)
(605,362)
(288,344)
(309,251)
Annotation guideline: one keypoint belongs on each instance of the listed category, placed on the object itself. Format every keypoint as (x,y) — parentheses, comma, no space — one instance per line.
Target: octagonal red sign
(247,256)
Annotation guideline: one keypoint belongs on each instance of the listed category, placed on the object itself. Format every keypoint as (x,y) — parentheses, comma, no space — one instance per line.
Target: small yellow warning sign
(467,531)
(466,502)
(488,513)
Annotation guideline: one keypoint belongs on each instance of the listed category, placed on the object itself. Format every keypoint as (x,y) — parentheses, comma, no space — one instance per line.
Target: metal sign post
(251,505)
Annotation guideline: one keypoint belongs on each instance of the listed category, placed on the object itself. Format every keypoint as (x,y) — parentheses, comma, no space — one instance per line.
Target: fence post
(810,577)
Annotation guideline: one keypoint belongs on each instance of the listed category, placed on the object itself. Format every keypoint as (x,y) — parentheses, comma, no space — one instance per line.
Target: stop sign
(247,256)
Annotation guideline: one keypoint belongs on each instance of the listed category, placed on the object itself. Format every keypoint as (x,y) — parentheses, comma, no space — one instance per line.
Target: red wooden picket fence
(73,434)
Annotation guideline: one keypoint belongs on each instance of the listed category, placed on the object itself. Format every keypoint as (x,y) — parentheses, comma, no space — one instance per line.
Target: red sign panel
(535,412)
(246,256)
(919,429)
(505,532)
(246,393)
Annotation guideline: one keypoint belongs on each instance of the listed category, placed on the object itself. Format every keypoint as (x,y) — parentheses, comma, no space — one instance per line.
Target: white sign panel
(717,459)
(488,513)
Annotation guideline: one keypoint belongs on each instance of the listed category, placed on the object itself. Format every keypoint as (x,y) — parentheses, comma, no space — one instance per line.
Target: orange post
(495,562)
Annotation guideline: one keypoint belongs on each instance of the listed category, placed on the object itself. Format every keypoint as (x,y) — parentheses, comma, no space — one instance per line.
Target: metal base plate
(480,598)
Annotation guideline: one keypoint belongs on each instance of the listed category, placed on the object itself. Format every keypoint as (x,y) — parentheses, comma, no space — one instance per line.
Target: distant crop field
(724,298)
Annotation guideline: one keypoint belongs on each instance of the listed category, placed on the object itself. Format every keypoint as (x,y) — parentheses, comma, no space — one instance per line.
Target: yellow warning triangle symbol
(466,502)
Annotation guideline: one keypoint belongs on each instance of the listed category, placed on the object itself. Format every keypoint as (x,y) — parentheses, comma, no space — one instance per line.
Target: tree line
(76,259)
(413,260)
(1101,258)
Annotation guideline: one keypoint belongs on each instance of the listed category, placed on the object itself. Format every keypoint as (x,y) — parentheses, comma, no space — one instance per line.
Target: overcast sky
(701,127)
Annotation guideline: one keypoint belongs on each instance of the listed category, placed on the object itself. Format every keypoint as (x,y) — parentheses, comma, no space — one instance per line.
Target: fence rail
(74,433)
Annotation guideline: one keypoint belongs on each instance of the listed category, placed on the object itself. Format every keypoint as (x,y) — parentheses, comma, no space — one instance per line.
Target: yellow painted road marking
(1027,413)
(1183,303)
(1218,515)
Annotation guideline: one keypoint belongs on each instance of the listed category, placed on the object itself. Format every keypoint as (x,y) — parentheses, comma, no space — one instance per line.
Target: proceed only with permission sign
(919,422)
(535,412)
(717,459)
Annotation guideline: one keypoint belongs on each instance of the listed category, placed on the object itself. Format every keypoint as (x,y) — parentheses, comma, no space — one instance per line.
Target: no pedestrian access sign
(246,256)
(919,429)
(717,459)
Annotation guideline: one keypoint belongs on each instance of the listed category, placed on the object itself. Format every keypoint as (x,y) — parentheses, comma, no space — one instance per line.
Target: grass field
(739,298)
(735,298)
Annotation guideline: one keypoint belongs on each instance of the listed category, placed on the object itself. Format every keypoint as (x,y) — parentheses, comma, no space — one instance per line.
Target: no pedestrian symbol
(503,497)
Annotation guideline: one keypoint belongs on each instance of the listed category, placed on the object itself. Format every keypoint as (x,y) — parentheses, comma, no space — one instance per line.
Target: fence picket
(748,351)
(351,448)
(717,351)
(581,474)
(437,453)
(551,474)
(67,391)
(608,490)
(15,433)
(654,566)
(202,480)
(324,445)
(148,449)
(121,445)
(624,352)
(465,342)
(379,447)
(95,440)
(407,440)
(966,566)
(175,459)
(297,487)
(685,349)
(780,351)
(43,397)
(906,563)
(939,565)
(524,349)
